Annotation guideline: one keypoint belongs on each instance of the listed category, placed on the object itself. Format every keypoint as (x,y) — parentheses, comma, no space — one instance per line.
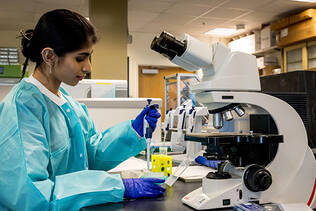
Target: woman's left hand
(142,188)
(151,114)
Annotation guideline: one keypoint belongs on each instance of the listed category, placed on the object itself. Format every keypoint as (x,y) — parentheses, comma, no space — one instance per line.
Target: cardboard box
(297,32)
(285,22)
(269,70)
(257,40)
(267,38)
(295,28)
(260,62)
(248,44)
(265,61)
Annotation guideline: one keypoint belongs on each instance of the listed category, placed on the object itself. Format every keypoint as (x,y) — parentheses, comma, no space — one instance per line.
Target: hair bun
(26,41)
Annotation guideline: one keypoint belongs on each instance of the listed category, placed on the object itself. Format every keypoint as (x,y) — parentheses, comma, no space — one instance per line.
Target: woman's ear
(49,56)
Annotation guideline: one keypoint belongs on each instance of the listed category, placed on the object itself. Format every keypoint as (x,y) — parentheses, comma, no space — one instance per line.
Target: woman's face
(73,66)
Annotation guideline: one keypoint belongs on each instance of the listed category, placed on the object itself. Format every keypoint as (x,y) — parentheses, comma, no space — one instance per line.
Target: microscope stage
(225,137)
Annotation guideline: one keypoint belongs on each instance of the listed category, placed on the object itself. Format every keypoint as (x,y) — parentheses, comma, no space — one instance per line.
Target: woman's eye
(80,59)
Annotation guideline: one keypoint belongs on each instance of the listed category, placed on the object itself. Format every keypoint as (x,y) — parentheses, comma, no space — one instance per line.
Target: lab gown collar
(57,100)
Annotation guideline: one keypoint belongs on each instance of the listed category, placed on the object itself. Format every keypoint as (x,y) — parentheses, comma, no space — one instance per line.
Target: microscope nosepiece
(239,110)
(228,115)
(217,120)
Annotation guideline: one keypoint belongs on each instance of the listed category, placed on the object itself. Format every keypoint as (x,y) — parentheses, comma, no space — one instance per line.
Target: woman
(51,156)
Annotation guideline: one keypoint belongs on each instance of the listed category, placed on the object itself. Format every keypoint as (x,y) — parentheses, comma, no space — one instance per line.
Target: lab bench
(169,202)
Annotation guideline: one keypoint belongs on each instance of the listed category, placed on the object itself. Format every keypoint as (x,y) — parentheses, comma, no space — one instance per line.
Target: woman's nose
(87,67)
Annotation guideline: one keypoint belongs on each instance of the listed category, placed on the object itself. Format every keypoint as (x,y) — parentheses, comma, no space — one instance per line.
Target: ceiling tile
(188,9)
(149,6)
(207,22)
(274,7)
(176,19)
(152,28)
(258,17)
(141,16)
(232,25)
(225,13)
(246,4)
(209,3)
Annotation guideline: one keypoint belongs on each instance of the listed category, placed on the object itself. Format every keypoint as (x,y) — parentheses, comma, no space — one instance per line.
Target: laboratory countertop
(170,201)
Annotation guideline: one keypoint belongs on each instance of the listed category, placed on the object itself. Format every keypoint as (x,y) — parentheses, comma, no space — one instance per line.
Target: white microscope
(257,167)
(188,119)
(193,124)
(177,135)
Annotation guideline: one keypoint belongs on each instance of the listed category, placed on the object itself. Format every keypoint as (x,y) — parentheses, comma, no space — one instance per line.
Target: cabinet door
(311,50)
(295,57)
(294,60)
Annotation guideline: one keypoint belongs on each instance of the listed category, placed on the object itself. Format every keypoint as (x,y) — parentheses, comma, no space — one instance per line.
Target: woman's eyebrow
(84,54)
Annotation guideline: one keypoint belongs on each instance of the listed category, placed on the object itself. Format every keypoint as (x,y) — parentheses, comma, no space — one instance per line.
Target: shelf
(295,62)
(266,51)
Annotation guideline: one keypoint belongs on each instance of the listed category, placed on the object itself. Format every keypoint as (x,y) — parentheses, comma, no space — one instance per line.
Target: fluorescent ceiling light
(310,1)
(222,32)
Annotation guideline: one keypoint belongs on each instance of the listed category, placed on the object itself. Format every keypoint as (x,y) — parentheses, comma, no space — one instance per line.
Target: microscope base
(218,193)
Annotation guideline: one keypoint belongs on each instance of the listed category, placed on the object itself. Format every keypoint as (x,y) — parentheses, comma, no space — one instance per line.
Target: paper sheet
(194,173)
(130,165)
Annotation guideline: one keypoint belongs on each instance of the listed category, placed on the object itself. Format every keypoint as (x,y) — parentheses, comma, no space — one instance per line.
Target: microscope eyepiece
(155,45)
(167,45)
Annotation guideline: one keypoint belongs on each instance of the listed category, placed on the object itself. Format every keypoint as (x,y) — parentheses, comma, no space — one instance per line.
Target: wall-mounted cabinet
(301,56)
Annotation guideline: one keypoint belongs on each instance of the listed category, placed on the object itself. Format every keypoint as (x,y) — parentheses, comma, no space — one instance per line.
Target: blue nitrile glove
(152,116)
(210,163)
(142,187)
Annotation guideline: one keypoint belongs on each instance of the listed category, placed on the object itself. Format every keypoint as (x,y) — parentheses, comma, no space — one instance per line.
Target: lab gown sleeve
(25,183)
(113,146)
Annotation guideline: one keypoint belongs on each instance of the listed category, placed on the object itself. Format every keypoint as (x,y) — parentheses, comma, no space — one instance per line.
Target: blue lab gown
(52,157)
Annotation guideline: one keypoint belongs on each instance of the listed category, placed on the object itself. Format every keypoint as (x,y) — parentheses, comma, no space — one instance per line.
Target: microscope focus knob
(257,178)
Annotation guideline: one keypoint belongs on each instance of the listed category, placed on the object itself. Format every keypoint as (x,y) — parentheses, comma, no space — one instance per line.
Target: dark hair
(62,30)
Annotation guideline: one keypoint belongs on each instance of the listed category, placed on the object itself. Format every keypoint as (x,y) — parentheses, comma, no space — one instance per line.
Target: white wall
(139,53)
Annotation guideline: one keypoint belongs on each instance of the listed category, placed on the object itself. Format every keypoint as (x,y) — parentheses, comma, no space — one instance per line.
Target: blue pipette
(148,131)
